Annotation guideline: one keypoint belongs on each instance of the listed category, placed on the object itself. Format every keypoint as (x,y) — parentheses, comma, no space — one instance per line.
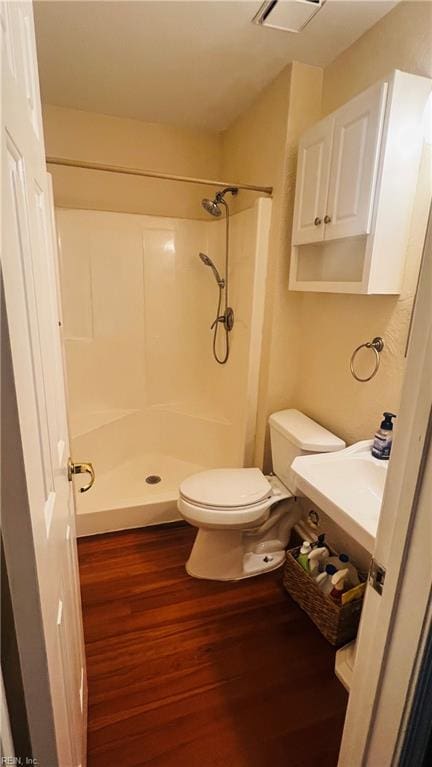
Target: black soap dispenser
(383,438)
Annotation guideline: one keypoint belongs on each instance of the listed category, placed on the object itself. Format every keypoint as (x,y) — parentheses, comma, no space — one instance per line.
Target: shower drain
(153,479)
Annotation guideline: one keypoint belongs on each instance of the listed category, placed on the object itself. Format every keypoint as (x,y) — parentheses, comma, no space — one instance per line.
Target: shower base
(122,499)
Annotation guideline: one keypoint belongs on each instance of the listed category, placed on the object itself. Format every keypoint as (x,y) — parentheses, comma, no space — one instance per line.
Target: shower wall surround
(145,394)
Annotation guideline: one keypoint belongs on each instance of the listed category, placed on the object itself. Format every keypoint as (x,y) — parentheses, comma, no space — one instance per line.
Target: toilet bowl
(245,518)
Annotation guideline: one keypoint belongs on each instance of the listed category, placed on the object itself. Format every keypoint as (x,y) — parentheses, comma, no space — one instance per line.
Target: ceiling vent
(288,15)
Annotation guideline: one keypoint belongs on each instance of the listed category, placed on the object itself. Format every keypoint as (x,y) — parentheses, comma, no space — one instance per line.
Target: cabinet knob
(317,221)
(327,219)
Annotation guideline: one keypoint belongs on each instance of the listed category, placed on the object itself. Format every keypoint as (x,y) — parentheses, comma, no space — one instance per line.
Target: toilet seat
(230,517)
(231,498)
(226,488)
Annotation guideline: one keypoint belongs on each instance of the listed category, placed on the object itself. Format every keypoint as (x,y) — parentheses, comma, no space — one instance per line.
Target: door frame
(6,741)
(395,625)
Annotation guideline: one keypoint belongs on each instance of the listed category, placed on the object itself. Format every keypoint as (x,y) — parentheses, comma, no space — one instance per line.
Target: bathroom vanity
(348,486)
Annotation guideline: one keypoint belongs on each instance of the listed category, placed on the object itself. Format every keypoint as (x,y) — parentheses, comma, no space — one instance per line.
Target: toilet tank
(292,434)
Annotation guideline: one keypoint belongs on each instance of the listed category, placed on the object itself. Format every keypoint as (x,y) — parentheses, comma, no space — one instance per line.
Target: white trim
(411,623)
(376,707)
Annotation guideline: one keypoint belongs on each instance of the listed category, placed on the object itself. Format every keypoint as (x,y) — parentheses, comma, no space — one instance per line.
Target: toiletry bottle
(320,541)
(302,558)
(352,577)
(324,580)
(338,585)
(316,558)
(342,562)
(383,438)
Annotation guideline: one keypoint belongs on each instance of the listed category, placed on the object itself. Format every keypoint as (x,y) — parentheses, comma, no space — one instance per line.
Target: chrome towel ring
(377,345)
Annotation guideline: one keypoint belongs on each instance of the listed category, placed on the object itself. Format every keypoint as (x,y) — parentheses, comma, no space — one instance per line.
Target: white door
(354,166)
(28,262)
(7,750)
(313,168)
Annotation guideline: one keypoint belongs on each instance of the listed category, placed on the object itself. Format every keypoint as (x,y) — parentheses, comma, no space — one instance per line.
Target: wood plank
(199,673)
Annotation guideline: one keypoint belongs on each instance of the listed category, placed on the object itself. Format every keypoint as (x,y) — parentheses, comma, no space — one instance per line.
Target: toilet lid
(226,487)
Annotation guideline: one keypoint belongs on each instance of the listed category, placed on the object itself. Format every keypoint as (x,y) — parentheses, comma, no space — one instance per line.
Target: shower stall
(148,403)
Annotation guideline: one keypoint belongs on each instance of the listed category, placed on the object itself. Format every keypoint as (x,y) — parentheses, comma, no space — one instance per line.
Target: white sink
(348,486)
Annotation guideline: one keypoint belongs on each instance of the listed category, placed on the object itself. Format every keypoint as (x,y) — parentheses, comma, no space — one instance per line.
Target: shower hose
(221,319)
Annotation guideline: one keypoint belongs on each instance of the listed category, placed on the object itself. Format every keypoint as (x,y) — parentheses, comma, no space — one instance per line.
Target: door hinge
(377,576)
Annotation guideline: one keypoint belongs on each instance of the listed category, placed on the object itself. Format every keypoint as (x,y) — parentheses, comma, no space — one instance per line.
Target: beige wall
(401,40)
(309,337)
(331,326)
(118,141)
(253,147)
(261,147)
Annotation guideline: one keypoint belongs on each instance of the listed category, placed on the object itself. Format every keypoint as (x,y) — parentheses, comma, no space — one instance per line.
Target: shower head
(208,262)
(213,206)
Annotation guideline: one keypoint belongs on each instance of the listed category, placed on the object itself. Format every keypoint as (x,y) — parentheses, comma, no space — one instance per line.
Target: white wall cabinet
(356,176)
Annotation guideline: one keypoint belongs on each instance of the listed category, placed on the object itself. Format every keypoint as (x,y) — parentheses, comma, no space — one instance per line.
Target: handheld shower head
(208,262)
(213,206)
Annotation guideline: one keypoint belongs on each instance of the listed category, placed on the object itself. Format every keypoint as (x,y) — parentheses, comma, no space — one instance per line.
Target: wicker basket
(337,623)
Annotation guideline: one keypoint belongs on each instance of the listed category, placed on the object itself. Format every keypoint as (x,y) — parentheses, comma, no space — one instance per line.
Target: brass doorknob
(327,219)
(317,221)
(81,468)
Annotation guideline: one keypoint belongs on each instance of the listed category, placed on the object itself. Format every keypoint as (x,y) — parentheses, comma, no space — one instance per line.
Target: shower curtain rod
(152,174)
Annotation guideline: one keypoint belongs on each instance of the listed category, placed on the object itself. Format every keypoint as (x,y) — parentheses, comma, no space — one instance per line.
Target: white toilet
(244,518)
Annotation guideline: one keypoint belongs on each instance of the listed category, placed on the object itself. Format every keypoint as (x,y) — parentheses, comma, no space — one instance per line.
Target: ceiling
(197,64)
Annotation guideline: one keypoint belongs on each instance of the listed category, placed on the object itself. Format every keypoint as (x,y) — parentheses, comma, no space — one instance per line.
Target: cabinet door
(356,144)
(313,167)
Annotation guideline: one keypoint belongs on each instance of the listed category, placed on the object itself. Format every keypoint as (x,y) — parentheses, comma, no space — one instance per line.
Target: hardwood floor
(189,673)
